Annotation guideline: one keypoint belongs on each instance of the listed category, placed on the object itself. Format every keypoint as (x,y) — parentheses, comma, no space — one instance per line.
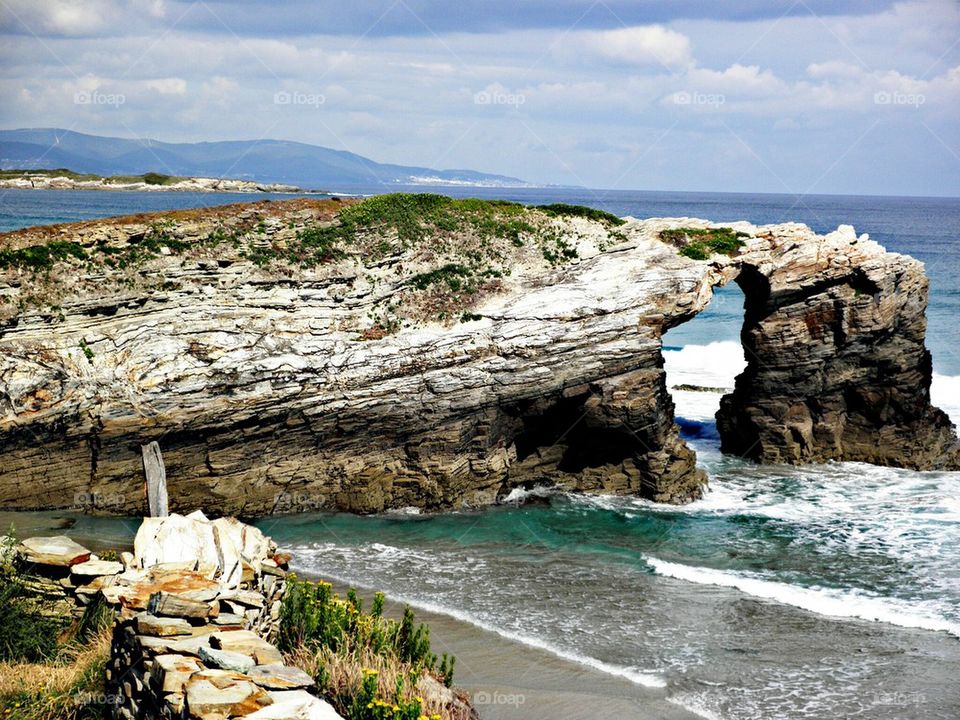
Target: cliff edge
(413,350)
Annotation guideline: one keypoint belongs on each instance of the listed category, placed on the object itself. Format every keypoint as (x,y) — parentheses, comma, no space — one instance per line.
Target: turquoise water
(819,592)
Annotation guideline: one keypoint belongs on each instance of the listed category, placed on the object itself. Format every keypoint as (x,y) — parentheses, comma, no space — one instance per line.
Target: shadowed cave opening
(564,432)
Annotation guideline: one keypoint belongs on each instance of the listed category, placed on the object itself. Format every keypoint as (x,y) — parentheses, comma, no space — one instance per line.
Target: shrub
(152,178)
(41,257)
(26,633)
(335,635)
(581,211)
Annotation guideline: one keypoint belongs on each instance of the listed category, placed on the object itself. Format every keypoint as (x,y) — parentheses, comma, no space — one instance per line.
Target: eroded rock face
(285,389)
(837,368)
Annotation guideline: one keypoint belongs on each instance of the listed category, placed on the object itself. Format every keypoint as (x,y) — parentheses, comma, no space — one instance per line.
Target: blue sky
(759,95)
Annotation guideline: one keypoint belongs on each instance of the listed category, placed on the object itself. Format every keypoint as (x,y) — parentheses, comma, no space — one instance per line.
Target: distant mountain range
(264,161)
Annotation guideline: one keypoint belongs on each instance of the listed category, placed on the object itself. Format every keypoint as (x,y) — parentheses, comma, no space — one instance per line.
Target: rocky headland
(150,182)
(422,351)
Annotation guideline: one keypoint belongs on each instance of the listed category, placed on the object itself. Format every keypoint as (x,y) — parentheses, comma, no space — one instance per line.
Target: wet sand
(512,681)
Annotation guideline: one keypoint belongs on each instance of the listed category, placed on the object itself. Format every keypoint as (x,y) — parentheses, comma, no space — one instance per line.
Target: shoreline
(510,680)
(178,184)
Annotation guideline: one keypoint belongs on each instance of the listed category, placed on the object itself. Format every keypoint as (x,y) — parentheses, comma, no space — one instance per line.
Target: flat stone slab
(295,705)
(171,605)
(248,643)
(248,598)
(227,660)
(229,619)
(133,589)
(58,550)
(221,694)
(280,677)
(96,568)
(178,645)
(173,671)
(161,626)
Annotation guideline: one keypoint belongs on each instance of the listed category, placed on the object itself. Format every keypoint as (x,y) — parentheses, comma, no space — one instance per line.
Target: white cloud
(640,45)
(168,86)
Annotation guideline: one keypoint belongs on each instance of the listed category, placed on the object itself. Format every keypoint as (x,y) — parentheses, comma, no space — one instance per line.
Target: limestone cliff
(414,350)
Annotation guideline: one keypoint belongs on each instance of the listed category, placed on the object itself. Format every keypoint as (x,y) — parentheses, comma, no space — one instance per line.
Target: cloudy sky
(812,96)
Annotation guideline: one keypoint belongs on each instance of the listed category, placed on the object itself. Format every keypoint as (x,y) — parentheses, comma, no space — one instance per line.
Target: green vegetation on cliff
(701,243)
(150,178)
(444,255)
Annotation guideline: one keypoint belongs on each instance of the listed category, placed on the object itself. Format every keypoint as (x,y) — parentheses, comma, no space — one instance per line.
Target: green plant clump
(315,619)
(41,258)
(152,178)
(701,243)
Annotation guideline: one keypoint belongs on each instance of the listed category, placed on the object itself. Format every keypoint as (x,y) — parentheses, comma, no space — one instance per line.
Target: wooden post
(156,480)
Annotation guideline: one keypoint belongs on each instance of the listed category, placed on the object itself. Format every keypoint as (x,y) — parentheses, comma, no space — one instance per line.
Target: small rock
(97,568)
(280,677)
(226,660)
(161,626)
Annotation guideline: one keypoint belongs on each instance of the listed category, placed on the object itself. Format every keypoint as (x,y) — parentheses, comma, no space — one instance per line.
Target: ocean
(825,591)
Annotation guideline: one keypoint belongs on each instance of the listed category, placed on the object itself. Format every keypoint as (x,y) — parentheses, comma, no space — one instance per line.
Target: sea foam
(822,601)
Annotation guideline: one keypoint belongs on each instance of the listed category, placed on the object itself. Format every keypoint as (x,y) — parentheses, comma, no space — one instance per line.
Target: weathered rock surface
(289,388)
(837,367)
(58,551)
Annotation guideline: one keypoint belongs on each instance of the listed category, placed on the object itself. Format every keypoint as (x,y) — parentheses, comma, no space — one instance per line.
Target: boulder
(192,539)
(59,551)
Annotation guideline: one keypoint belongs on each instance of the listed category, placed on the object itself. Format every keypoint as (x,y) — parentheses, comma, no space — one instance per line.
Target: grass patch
(701,243)
(51,666)
(368,666)
(41,258)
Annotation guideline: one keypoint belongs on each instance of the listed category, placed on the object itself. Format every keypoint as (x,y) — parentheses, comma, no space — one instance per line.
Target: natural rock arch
(277,393)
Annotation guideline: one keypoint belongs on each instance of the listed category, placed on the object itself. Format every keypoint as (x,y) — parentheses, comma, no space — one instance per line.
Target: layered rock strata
(298,366)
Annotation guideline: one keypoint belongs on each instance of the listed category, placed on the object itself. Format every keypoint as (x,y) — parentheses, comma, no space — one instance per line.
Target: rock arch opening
(702,359)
